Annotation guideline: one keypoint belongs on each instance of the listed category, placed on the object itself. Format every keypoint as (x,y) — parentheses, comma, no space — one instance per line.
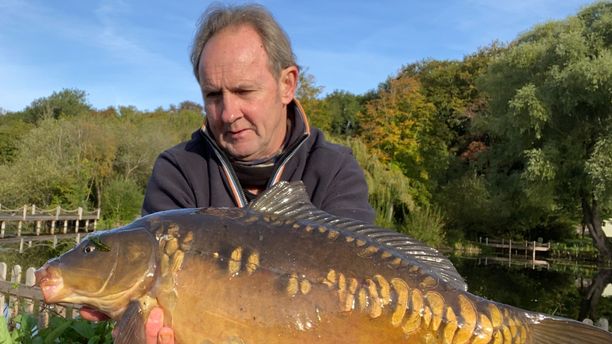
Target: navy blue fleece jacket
(197,174)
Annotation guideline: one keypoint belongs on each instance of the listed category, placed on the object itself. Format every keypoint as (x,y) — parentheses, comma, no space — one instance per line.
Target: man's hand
(155,332)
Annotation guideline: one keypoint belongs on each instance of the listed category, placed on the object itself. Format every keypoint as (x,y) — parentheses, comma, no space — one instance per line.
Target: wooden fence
(18,296)
(526,247)
(15,222)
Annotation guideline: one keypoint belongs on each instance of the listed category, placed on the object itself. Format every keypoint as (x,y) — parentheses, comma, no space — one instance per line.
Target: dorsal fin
(289,199)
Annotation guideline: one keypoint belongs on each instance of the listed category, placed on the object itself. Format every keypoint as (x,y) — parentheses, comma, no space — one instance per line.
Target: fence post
(13,308)
(57,213)
(38,225)
(95,224)
(29,282)
(65,226)
(2,228)
(33,209)
(76,223)
(3,269)
(509,252)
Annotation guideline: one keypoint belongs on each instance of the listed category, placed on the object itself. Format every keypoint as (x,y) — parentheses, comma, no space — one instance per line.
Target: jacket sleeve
(168,187)
(348,192)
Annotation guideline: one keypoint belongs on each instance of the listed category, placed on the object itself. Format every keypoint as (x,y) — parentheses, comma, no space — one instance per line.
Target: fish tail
(565,331)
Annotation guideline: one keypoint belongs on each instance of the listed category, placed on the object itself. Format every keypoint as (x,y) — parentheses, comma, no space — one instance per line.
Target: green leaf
(84,328)
(57,332)
(5,336)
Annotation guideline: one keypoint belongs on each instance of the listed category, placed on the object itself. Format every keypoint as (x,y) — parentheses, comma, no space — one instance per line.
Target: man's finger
(166,336)
(154,323)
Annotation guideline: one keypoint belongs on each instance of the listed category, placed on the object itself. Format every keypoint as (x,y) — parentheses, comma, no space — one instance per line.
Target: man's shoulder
(322,145)
(187,149)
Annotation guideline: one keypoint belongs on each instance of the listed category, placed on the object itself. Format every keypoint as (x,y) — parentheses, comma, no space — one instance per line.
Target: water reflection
(564,289)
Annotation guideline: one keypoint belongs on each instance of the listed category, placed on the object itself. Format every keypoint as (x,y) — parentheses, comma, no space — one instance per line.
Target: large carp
(282,271)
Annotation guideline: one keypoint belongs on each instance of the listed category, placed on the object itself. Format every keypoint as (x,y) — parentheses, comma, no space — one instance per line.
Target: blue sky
(136,52)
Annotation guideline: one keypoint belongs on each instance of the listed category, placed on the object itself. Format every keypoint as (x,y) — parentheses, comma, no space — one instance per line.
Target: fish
(283,271)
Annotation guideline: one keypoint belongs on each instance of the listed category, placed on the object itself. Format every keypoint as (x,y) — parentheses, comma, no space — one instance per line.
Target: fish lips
(51,284)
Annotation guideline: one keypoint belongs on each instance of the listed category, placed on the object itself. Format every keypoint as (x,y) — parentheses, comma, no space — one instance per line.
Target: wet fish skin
(252,276)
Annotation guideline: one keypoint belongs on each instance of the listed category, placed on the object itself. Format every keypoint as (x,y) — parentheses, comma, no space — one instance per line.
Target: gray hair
(218,17)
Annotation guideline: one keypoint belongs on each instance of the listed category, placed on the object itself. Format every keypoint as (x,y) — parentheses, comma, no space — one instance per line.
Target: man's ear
(288,83)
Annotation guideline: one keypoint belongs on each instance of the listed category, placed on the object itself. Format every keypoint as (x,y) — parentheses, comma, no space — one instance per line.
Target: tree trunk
(98,195)
(593,222)
(591,297)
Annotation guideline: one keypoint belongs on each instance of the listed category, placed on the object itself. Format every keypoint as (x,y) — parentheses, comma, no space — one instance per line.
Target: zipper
(232,179)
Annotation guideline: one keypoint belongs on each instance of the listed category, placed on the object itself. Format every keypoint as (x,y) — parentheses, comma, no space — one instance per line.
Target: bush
(23,329)
(425,224)
(121,202)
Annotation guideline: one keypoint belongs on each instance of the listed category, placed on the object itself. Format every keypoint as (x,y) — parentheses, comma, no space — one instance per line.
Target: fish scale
(426,312)
(283,271)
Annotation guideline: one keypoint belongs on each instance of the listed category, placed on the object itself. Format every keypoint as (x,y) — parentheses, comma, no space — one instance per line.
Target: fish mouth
(51,284)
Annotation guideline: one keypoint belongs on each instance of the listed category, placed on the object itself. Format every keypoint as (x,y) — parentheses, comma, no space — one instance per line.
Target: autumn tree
(451,86)
(398,124)
(308,93)
(551,118)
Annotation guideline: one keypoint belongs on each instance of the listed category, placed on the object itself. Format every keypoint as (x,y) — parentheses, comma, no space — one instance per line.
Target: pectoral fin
(131,327)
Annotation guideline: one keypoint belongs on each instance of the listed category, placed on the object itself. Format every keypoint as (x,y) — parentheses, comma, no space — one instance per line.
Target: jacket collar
(299,133)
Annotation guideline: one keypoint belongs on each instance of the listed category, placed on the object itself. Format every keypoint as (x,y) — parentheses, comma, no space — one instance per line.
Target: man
(255,133)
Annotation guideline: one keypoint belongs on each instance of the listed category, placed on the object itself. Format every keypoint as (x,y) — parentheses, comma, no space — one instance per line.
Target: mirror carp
(282,271)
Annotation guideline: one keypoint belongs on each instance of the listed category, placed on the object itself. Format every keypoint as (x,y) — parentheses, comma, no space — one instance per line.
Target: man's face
(246,106)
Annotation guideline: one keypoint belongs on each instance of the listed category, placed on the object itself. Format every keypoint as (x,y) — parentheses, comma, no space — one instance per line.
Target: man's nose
(231,109)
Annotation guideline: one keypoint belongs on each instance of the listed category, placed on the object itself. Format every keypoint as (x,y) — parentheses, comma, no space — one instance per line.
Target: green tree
(67,102)
(551,118)
(61,161)
(12,128)
(344,108)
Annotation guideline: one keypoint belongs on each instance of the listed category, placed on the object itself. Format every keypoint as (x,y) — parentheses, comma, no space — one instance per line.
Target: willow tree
(551,116)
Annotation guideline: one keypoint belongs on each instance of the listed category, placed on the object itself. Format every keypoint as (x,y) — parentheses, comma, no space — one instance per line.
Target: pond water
(559,288)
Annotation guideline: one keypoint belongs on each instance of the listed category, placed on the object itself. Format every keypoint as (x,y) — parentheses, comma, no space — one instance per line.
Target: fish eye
(89,249)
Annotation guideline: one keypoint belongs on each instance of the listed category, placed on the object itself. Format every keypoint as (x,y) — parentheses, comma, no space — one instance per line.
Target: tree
(551,118)
(12,128)
(398,124)
(67,102)
(344,108)
(308,95)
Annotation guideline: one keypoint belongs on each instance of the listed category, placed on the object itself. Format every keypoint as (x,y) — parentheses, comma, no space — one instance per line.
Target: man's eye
(212,94)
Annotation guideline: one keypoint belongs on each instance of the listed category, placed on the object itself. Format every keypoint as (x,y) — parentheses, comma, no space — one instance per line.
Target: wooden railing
(17,296)
(14,221)
(526,246)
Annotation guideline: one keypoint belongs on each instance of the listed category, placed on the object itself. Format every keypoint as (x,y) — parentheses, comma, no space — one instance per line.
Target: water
(564,289)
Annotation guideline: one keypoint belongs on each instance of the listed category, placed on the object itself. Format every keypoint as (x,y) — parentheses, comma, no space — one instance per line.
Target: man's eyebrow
(208,87)
(244,86)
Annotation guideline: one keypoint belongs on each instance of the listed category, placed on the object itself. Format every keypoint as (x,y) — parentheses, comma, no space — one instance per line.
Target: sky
(136,52)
